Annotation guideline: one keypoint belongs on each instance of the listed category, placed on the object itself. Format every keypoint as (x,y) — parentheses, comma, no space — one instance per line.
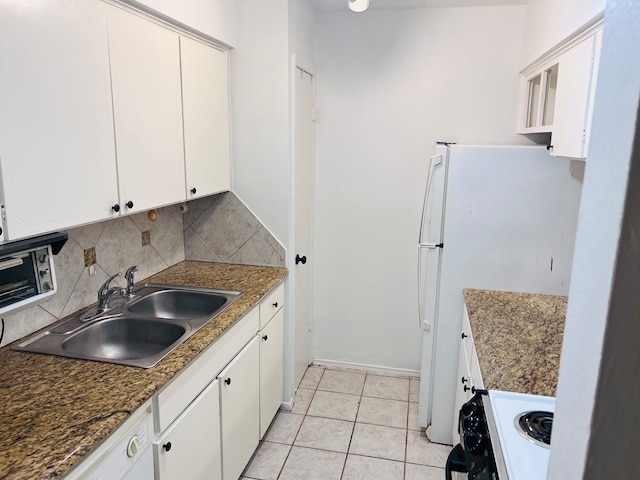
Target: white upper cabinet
(146,86)
(214,18)
(56,125)
(557,92)
(205,105)
(574,102)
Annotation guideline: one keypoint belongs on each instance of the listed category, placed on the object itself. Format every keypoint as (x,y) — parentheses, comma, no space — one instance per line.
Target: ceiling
(341,5)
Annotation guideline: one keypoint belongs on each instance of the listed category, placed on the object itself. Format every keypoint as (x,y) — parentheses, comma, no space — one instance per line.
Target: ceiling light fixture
(358,5)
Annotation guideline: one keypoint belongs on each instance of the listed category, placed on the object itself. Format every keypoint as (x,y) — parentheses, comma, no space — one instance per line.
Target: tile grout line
(353,430)
(361,396)
(315,389)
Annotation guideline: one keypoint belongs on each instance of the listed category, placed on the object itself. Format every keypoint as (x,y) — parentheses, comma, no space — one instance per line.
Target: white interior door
(303,219)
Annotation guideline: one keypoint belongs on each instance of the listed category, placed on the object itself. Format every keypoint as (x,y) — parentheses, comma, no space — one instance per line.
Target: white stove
(517,455)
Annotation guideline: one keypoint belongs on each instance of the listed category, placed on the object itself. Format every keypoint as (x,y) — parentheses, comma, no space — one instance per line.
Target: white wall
(595,431)
(304,30)
(260,112)
(549,22)
(390,84)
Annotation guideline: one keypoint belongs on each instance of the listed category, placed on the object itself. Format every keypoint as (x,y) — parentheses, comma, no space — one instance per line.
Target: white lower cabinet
(463,389)
(240,404)
(271,356)
(209,419)
(190,447)
(469,377)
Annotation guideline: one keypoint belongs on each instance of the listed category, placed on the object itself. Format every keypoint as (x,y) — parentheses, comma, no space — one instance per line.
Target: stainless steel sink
(178,304)
(123,338)
(139,332)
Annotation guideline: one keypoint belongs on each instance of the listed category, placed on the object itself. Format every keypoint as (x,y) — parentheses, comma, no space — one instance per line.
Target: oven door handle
(455,462)
(10,262)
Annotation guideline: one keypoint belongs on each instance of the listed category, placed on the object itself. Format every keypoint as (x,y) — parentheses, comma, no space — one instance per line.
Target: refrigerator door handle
(428,284)
(420,294)
(425,318)
(434,161)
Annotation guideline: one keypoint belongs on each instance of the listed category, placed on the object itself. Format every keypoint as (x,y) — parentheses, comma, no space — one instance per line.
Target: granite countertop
(55,410)
(518,339)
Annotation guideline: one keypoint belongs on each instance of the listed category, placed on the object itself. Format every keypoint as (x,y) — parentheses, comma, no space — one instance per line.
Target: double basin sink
(139,332)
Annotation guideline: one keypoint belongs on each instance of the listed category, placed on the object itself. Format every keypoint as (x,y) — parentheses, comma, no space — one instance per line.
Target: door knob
(300,259)
(129,204)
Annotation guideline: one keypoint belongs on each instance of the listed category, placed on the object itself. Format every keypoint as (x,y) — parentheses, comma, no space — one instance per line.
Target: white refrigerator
(495,218)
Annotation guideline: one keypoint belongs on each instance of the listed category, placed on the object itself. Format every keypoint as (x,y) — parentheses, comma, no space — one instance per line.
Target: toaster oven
(27,271)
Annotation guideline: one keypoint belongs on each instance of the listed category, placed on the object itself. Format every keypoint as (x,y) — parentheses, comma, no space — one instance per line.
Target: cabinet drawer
(185,387)
(271,304)
(192,441)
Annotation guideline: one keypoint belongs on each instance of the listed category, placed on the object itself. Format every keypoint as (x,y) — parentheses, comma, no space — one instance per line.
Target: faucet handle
(130,271)
(129,276)
(105,286)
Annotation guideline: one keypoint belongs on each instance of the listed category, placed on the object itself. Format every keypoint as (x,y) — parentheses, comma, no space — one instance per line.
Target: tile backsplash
(216,229)
(222,229)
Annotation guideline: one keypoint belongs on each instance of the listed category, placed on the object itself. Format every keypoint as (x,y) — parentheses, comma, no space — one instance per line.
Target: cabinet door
(271,345)
(205,104)
(463,389)
(240,406)
(56,124)
(572,101)
(145,71)
(190,447)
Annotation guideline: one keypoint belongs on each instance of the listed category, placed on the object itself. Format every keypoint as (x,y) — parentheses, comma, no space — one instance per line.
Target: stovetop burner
(535,426)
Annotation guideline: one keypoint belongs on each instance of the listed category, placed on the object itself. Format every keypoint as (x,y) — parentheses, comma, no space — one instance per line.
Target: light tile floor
(349,425)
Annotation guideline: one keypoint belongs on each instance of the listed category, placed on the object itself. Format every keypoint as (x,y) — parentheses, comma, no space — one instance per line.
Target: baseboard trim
(288,406)
(361,367)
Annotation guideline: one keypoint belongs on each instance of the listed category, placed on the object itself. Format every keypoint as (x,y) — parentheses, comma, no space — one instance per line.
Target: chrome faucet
(105,293)
(128,291)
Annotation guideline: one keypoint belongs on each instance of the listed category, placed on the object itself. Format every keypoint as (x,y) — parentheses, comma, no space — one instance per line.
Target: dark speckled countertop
(55,410)
(518,339)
